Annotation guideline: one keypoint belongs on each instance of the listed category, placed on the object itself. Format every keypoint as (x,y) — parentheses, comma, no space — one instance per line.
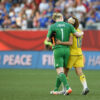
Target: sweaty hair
(56,16)
(76,24)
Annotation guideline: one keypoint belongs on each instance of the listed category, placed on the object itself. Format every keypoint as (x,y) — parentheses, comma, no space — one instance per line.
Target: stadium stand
(25,14)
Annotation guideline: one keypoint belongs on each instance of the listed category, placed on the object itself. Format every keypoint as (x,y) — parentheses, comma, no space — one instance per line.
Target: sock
(63,88)
(58,83)
(62,78)
(83,81)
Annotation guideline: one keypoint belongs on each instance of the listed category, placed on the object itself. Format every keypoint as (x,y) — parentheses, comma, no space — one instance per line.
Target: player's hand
(58,42)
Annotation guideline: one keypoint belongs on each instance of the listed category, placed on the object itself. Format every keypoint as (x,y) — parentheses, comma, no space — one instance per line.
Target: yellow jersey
(75,48)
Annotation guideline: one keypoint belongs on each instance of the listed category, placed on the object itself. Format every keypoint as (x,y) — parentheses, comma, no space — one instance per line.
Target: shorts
(61,57)
(75,61)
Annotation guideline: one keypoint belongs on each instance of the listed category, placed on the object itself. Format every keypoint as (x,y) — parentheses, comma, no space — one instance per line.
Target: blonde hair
(56,16)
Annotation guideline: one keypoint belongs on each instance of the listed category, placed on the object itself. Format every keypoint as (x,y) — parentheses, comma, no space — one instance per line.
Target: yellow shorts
(75,61)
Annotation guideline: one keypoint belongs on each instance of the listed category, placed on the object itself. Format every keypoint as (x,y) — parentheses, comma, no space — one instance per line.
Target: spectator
(91,20)
(1,19)
(43,20)
(12,16)
(17,8)
(37,2)
(24,22)
(13,20)
(50,10)
(38,13)
(1,6)
(36,20)
(80,10)
(19,19)
(28,12)
(43,6)
(35,23)
(8,5)
(57,6)
(7,22)
(70,8)
(97,14)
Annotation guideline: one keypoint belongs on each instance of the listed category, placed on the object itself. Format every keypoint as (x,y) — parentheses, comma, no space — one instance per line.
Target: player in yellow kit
(76,56)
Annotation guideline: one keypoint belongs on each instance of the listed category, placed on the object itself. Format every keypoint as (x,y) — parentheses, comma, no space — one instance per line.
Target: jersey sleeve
(73,29)
(49,32)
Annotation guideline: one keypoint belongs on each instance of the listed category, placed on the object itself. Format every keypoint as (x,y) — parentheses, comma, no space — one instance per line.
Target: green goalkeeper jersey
(62,30)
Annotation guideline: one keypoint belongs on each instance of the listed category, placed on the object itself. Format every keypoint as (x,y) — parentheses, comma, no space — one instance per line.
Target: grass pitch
(30,84)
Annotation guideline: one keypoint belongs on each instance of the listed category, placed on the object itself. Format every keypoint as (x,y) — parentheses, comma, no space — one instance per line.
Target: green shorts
(61,56)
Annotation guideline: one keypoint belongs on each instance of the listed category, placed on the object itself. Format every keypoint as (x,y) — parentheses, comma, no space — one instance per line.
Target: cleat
(62,92)
(69,91)
(54,92)
(85,91)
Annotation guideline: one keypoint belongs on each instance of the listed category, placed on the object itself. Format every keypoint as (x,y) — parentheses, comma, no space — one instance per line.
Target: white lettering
(17,61)
(6,59)
(61,25)
(25,60)
(29,60)
(47,60)
(94,60)
(97,62)
(11,60)
(0,59)
(22,59)
(52,60)
(44,60)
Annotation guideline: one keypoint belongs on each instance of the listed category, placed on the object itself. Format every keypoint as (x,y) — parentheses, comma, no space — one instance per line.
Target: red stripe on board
(34,40)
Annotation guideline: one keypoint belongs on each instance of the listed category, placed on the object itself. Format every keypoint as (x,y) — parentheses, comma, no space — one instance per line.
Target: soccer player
(62,32)
(76,56)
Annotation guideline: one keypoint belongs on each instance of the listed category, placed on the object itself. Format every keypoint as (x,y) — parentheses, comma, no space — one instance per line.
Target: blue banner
(92,59)
(41,59)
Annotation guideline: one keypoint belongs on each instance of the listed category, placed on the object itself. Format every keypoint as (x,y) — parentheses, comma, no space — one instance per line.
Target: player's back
(62,30)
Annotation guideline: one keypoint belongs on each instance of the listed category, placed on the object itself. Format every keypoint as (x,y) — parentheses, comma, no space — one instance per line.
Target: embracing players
(76,56)
(62,31)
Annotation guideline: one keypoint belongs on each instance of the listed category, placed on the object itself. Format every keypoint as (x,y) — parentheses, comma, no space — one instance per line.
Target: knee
(60,70)
(79,72)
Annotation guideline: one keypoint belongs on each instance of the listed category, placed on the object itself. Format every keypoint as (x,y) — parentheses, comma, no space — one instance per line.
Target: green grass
(25,84)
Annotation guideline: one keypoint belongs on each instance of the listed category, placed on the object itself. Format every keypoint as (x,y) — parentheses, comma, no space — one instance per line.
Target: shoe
(54,92)
(69,91)
(85,91)
(62,92)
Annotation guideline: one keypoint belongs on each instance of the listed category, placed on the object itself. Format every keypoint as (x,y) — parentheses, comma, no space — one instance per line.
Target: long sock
(83,81)
(62,78)
(58,83)
(63,88)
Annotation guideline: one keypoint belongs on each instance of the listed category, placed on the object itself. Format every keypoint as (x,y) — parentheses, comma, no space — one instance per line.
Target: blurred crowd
(24,14)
